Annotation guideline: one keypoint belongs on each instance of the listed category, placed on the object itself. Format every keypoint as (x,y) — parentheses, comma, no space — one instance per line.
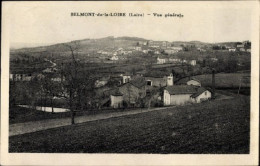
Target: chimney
(213,83)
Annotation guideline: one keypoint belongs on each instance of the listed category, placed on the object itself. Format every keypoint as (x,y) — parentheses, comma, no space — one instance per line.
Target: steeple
(170,80)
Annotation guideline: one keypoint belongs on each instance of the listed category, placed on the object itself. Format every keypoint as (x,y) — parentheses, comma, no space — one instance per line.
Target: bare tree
(79,81)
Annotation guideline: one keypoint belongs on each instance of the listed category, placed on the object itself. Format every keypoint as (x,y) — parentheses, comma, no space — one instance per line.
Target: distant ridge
(87,45)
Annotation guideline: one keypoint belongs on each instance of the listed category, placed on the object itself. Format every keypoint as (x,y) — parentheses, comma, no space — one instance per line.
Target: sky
(42,23)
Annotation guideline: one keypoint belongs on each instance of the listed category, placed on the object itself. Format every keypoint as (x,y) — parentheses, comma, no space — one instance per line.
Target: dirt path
(28,127)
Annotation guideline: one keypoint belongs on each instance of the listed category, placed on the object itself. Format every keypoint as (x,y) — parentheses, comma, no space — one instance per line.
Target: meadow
(214,127)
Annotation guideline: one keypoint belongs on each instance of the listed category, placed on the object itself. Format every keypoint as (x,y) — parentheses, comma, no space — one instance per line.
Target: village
(102,84)
(135,88)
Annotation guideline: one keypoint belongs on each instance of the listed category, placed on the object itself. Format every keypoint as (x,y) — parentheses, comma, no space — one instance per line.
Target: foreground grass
(210,127)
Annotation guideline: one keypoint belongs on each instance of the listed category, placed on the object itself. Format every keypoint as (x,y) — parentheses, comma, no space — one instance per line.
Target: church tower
(170,80)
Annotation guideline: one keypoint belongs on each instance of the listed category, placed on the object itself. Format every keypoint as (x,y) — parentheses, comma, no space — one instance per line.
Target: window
(149,83)
(206,93)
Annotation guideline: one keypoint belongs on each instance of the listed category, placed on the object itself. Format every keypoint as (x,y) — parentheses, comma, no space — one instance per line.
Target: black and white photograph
(155,79)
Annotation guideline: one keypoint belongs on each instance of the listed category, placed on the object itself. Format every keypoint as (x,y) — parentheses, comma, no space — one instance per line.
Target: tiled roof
(138,82)
(181,89)
(185,80)
(199,92)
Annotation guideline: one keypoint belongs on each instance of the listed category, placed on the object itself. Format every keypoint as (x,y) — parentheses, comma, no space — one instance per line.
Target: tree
(79,82)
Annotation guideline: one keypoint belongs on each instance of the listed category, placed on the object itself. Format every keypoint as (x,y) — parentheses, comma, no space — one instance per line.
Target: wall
(158,82)
(180,99)
(202,96)
(116,101)
(131,91)
(166,98)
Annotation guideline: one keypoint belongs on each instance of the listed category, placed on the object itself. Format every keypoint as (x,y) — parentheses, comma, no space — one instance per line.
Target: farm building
(116,100)
(178,95)
(182,94)
(201,95)
(159,81)
(132,91)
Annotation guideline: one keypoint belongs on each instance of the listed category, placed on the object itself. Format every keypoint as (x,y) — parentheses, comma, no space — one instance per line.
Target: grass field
(225,80)
(211,127)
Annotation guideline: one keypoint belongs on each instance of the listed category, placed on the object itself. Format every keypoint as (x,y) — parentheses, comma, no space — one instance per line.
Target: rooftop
(199,92)
(181,89)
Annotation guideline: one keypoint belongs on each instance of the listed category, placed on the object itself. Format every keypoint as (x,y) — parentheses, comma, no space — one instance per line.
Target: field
(215,127)
(21,114)
(225,80)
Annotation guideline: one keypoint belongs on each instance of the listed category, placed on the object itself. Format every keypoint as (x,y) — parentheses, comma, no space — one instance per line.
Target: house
(50,70)
(126,78)
(138,48)
(193,62)
(170,51)
(101,82)
(248,50)
(114,58)
(194,82)
(242,49)
(189,81)
(132,91)
(175,60)
(178,95)
(201,95)
(161,61)
(177,48)
(20,77)
(240,46)
(116,100)
(231,49)
(158,81)
(201,50)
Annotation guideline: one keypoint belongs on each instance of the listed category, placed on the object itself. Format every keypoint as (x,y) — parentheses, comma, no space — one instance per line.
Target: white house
(175,60)
(126,78)
(114,58)
(178,94)
(194,82)
(177,48)
(193,62)
(201,95)
(232,49)
(116,100)
(161,61)
(240,45)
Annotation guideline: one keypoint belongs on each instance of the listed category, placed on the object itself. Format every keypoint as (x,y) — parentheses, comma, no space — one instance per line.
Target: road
(28,127)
